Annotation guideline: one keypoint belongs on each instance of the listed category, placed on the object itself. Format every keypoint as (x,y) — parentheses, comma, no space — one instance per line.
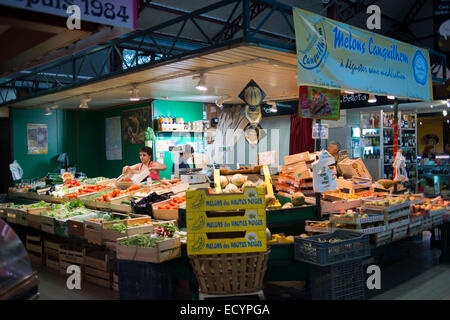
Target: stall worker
(145,154)
(428,153)
(184,156)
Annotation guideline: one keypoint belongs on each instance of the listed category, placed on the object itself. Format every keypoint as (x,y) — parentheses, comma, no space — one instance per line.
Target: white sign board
(121,13)
(320,131)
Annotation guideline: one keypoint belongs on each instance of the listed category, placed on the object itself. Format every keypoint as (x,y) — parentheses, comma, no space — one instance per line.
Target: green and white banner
(338,56)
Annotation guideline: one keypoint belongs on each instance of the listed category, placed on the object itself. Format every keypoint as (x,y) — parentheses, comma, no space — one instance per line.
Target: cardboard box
(251,241)
(304,156)
(250,219)
(355,168)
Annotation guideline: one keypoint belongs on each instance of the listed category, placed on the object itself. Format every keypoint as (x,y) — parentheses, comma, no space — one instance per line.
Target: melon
(238,180)
(298,199)
(287,205)
(223,181)
(268,234)
(270,200)
(262,184)
(247,184)
(386,183)
(231,188)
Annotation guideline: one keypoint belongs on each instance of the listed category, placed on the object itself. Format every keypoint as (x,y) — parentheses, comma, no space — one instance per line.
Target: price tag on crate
(217,180)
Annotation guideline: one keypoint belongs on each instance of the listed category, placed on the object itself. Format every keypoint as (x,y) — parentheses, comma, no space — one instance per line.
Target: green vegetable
(41,204)
(17,206)
(119,227)
(141,240)
(74,204)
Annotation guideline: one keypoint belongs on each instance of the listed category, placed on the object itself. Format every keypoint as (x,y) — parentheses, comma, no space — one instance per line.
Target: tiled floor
(409,271)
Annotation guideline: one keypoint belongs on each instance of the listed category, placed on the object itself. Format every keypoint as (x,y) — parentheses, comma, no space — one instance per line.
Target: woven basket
(232,273)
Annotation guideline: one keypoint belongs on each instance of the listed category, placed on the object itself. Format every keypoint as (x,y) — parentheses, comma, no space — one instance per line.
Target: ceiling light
(84,102)
(274,108)
(391,97)
(448,104)
(54,106)
(349,92)
(444,112)
(431,106)
(392,107)
(448,121)
(201,85)
(48,112)
(220,101)
(372,99)
(134,94)
(420,122)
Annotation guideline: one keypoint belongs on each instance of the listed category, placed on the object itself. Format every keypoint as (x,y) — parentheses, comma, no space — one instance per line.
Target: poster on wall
(113,139)
(335,55)
(135,122)
(37,138)
(318,103)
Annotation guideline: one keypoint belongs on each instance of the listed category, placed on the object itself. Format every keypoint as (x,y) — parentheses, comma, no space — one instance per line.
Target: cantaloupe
(223,181)
(247,184)
(298,199)
(238,180)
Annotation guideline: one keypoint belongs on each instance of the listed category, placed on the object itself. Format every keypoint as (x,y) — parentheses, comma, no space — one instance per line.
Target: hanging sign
(335,55)
(252,94)
(318,103)
(121,13)
(320,131)
(441,19)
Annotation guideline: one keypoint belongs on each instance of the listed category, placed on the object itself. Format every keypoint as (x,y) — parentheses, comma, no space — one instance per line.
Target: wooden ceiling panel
(279,82)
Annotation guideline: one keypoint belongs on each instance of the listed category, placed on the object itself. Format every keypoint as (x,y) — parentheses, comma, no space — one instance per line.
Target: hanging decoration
(252,94)
(253,115)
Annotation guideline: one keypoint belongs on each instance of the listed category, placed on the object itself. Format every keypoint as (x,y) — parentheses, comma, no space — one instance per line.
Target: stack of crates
(34,248)
(51,253)
(335,264)
(99,266)
(71,253)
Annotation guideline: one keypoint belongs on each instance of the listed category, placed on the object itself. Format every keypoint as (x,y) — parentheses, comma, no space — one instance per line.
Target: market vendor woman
(145,154)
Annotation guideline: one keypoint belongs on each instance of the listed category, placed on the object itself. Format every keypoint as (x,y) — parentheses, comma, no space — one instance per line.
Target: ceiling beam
(31,25)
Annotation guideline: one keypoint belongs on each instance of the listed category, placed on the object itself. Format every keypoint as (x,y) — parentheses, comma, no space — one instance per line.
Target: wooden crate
(36,258)
(165,250)
(327,207)
(51,260)
(3,209)
(72,256)
(51,245)
(63,265)
(393,225)
(110,235)
(169,214)
(399,233)
(117,206)
(99,277)
(98,259)
(115,282)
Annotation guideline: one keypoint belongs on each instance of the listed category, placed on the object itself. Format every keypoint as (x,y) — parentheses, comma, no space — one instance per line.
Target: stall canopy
(338,56)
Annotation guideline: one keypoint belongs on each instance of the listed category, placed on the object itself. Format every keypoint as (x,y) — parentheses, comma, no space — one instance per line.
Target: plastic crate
(145,281)
(341,281)
(353,245)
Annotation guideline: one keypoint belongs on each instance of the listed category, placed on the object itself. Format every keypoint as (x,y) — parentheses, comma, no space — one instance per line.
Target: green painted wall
(189,111)
(35,165)
(81,134)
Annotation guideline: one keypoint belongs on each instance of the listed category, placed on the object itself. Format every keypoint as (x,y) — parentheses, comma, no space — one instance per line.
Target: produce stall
(149,222)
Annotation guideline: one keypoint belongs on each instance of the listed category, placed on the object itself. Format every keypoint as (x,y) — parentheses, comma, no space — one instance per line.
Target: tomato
(100,199)
(116,191)
(108,198)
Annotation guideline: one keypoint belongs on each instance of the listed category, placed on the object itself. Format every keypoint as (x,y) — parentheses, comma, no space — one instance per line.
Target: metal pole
(395,138)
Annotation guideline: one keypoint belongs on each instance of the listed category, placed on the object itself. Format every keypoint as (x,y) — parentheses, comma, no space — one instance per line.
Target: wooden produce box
(145,226)
(51,259)
(93,229)
(437,220)
(34,244)
(63,265)
(356,218)
(394,225)
(166,214)
(366,204)
(3,209)
(427,223)
(327,207)
(226,221)
(317,226)
(17,216)
(115,282)
(354,184)
(437,212)
(98,277)
(98,259)
(414,227)
(36,258)
(72,256)
(165,250)
(359,228)
(77,225)
(116,204)
(399,233)
(381,238)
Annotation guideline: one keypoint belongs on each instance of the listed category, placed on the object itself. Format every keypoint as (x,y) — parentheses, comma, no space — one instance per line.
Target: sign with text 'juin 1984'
(121,13)
(335,55)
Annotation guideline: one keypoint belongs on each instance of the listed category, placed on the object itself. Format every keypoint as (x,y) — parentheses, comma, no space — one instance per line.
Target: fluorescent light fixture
(201,85)
(134,94)
(349,92)
(444,156)
(431,106)
(372,99)
(48,112)
(420,122)
(84,102)
(444,112)
(391,97)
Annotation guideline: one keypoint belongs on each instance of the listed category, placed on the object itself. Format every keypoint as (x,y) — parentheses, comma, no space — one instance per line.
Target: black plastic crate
(315,250)
(341,281)
(145,281)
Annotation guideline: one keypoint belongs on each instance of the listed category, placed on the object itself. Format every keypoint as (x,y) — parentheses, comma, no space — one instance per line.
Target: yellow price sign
(267,177)
(217,180)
